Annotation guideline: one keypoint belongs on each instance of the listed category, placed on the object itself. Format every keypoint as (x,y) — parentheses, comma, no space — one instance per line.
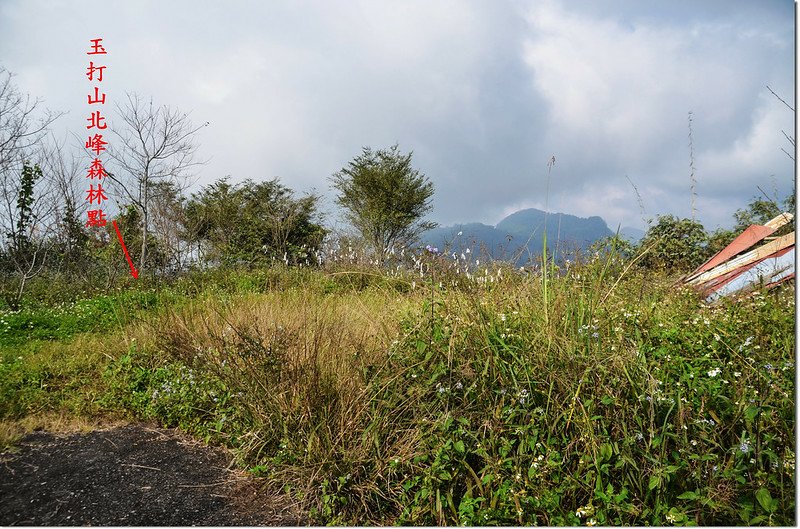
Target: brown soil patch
(131,475)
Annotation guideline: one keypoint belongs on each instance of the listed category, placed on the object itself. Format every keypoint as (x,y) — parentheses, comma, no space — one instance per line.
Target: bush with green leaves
(173,394)
(254,223)
(674,244)
(653,411)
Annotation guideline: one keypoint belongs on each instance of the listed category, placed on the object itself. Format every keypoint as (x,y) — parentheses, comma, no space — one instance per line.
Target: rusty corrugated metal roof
(742,242)
(740,267)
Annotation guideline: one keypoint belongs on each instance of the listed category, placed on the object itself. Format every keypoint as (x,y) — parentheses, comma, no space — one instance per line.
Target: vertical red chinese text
(95,144)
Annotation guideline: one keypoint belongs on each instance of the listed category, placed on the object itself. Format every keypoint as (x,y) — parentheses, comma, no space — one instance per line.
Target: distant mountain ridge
(520,235)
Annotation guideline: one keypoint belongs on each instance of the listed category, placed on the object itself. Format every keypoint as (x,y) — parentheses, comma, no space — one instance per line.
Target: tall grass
(447,392)
(428,398)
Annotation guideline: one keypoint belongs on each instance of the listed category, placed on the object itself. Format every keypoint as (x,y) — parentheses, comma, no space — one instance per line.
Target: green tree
(675,244)
(21,238)
(72,241)
(384,198)
(129,222)
(762,210)
(719,239)
(169,224)
(758,211)
(211,214)
(252,223)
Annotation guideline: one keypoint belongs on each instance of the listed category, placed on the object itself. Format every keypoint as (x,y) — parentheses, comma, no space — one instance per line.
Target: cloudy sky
(483,93)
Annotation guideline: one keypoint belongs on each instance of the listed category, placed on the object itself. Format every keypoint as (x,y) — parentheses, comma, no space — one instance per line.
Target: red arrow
(134,273)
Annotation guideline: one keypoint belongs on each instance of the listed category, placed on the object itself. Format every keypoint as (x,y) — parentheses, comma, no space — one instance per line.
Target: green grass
(615,399)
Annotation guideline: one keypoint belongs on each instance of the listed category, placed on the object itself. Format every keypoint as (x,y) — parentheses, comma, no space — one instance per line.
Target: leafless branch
(789,138)
(20,128)
(152,145)
(23,126)
(780,99)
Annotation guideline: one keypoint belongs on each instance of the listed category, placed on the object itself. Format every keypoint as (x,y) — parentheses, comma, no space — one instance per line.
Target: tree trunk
(145,207)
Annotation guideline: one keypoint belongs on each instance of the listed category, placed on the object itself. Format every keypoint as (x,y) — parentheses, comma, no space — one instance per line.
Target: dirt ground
(131,475)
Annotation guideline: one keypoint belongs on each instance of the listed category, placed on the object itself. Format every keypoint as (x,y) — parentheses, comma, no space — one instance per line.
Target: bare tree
(67,173)
(154,144)
(27,204)
(22,129)
(26,217)
(23,124)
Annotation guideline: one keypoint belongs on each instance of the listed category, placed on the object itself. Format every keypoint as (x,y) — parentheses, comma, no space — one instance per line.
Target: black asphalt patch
(130,475)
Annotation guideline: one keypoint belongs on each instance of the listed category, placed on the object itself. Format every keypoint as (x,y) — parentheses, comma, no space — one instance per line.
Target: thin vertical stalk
(550,163)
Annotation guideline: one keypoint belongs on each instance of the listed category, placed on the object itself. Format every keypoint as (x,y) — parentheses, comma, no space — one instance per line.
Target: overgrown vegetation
(378,399)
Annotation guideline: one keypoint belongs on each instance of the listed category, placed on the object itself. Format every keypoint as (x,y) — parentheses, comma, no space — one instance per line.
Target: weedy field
(595,394)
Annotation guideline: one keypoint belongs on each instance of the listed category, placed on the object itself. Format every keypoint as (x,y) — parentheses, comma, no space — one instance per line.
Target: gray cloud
(483,93)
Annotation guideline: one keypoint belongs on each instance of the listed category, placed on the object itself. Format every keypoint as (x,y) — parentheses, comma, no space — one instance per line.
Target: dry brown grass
(12,431)
(288,342)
